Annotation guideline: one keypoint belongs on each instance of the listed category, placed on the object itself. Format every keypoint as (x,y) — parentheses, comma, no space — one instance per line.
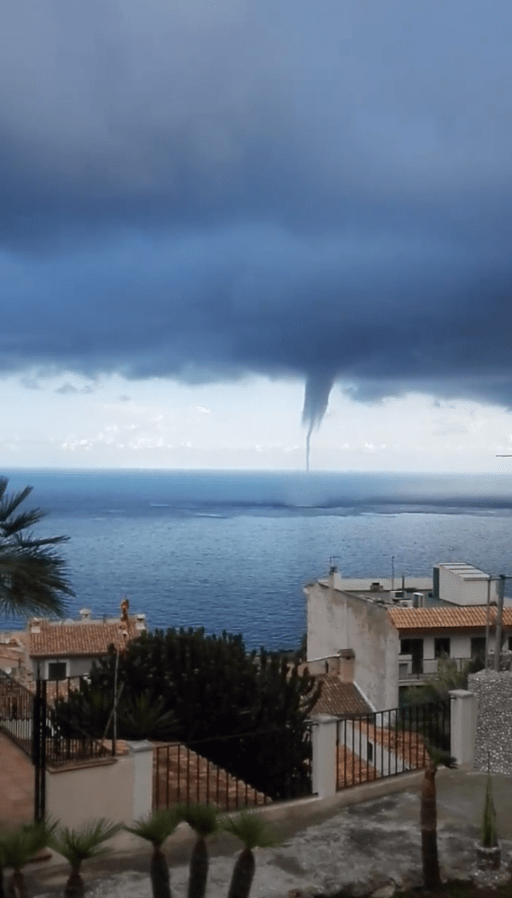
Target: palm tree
(156,829)
(32,574)
(18,847)
(254,832)
(204,820)
(80,845)
(143,717)
(428,818)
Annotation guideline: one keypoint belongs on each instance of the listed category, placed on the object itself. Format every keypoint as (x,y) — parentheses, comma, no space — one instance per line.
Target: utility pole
(499,621)
(487,623)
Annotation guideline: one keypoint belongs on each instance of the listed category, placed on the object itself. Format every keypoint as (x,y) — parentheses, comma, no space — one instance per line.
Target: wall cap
(142,746)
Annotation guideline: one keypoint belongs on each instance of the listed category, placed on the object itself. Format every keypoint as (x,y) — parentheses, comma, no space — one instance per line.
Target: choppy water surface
(233,550)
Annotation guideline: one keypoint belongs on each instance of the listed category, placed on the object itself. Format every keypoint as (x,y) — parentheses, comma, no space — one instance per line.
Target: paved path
(366,838)
(16,784)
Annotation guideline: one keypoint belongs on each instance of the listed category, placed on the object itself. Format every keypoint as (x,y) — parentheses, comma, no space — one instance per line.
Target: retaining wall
(493,747)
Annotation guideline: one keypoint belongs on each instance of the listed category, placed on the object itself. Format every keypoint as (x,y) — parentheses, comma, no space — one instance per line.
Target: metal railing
(410,670)
(65,741)
(17,712)
(218,771)
(391,742)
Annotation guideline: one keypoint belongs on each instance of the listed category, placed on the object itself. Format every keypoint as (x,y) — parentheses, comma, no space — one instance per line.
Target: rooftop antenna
(332,566)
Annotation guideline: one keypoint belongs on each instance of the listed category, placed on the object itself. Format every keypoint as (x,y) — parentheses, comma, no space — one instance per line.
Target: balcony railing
(410,669)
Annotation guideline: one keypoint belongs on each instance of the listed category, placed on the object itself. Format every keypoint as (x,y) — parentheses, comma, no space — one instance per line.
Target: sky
(228,226)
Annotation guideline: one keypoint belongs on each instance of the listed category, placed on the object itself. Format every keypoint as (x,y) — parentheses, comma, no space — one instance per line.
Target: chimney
(140,621)
(346,663)
(85,614)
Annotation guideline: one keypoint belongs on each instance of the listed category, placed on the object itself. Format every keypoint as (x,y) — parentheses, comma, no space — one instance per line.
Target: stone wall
(494,720)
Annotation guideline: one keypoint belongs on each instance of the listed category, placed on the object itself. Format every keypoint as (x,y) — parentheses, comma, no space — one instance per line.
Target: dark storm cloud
(200,190)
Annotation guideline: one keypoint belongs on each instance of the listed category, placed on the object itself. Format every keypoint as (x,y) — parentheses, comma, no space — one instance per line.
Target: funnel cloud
(316,400)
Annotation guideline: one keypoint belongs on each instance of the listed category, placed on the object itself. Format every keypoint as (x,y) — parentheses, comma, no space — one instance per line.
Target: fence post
(142,755)
(463,714)
(323,738)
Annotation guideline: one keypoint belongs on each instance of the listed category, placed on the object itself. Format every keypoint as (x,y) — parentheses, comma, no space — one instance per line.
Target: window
(369,752)
(478,646)
(57,670)
(442,647)
(413,647)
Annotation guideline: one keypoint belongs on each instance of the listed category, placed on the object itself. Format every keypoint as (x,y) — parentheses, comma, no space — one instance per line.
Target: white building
(56,649)
(399,634)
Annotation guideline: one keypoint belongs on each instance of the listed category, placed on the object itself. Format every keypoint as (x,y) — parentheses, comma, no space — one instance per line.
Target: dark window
(369,753)
(57,670)
(413,647)
(442,647)
(478,646)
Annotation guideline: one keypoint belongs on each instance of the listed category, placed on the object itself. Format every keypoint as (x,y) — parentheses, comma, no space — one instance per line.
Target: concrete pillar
(324,733)
(142,756)
(463,715)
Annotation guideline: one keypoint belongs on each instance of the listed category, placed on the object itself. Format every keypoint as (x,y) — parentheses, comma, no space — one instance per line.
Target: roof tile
(77,638)
(338,698)
(457,618)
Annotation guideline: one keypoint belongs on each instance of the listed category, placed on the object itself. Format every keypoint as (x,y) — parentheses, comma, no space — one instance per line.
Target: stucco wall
(464,591)
(99,790)
(337,621)
(494,720)
(460,644)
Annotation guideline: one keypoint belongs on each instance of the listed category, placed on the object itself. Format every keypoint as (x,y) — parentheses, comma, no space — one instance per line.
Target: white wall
(461,591)
(337,621)
(119,789)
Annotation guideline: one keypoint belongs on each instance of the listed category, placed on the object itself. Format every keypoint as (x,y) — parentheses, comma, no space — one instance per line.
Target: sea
(233,550)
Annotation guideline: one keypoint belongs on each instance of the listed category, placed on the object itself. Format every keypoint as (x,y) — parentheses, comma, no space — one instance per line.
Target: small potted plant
(489,850)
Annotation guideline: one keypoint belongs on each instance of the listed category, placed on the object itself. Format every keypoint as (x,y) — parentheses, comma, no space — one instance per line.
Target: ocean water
(233,550)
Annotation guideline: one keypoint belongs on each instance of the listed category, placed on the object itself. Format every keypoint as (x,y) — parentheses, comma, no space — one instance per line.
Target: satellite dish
(8,670)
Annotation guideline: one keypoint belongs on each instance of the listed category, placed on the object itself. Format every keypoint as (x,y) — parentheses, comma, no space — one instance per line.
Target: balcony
(416,670)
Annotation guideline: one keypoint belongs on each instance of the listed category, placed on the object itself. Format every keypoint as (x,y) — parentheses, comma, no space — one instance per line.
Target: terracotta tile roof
(410,746)
(352,770)
(339,699)
(180,774)
(53,639)
(457,618)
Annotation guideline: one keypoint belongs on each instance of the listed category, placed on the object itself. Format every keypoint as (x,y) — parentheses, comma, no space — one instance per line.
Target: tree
(33,577)
(204,820)
(80,845)
(254,832)
(18,847)
(449,675)
(156,829)
(428,818)
(244,712)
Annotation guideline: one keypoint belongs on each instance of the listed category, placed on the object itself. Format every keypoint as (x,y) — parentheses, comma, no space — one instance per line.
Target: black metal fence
(67,737)
(232,772)
(17,712)
(29,717)
(391,742)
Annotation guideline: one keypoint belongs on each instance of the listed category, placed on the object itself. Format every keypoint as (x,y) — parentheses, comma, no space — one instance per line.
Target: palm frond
(439,758)
(157,827)
(202,818)
(18,846)
(88,841)
(253,830)
(33,576)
